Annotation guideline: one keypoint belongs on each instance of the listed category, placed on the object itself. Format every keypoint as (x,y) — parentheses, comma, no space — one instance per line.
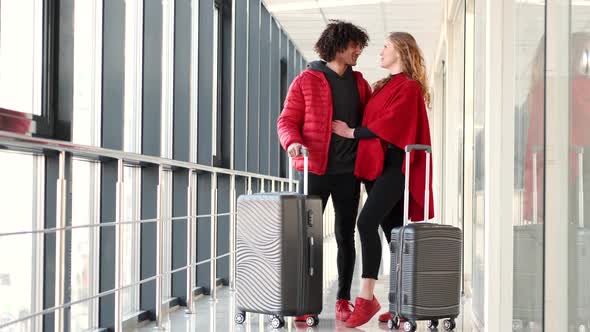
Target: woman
(394,117)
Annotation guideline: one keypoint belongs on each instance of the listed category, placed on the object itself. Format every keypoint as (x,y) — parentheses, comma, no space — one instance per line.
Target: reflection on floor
(219,316)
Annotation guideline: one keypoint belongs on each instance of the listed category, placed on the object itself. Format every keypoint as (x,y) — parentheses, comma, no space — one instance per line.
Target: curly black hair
(336,37)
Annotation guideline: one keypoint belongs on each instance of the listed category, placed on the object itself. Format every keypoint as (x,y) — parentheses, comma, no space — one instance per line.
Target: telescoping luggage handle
(428,151)
(311,243)
(580,187)
(580,153)
(305,154)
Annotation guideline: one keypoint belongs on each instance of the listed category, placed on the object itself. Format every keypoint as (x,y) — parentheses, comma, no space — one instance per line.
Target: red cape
(397,114)
(579,137)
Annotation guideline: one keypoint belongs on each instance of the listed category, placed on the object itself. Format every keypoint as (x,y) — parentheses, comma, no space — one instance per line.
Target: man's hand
(294,150)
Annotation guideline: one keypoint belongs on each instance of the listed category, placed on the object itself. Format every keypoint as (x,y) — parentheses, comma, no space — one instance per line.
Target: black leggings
(345,192)
(384,206)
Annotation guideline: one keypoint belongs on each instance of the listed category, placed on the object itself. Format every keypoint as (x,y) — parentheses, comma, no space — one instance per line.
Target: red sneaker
(302,318)
(343,310)
(386,316)
(364,310)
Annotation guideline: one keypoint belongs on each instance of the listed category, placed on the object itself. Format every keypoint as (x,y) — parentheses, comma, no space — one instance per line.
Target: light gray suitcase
(279,255)
(425,280)
(528,260)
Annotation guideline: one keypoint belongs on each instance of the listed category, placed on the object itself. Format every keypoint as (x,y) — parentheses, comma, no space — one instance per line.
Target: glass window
(478,10)
(131,232)
(529,136)
(84,269)
(22,210)
(87,73)
(86,174)
(167,79)
(167,236)
(579,170)
(132,143)
(21,27)
(133,75)
(214,111)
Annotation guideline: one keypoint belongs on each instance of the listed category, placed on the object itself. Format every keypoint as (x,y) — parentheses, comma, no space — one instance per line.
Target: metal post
(119,249)
(213,237)
(60,243)
(262,185)
(232,233)
(159,249)
(272,186)
(189,244)
(249,185)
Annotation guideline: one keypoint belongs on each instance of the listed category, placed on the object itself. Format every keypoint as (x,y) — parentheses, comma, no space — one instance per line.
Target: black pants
(384,206)
(345,190)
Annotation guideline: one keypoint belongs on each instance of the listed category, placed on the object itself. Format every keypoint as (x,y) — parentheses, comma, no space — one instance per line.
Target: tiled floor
(219,316)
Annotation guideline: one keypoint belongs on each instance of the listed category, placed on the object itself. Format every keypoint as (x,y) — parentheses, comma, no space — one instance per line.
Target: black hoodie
(346,104)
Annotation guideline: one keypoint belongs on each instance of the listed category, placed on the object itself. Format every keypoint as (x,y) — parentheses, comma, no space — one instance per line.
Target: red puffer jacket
(307,117)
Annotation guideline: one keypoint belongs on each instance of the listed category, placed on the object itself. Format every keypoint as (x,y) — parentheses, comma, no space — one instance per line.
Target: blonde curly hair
(412,61)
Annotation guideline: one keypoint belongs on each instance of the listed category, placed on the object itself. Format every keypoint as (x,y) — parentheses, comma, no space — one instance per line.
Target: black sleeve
(363,132)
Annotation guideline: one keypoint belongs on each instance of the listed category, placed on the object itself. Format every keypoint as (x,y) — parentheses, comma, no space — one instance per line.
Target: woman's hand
(340,128)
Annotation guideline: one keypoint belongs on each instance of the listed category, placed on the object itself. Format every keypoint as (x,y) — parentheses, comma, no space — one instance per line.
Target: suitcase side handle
(311,256)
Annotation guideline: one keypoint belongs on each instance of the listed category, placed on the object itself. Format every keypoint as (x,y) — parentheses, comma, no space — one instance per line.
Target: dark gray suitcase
(279,256)
(425,281)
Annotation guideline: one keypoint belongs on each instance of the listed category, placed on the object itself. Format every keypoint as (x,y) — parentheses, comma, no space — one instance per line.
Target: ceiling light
(302,5)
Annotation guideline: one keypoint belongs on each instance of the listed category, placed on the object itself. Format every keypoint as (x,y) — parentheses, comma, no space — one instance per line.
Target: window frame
(44,125)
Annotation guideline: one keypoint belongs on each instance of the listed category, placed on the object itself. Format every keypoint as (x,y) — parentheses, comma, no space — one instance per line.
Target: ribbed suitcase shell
(583,271)
(275,254)
(426,283)
(528,273)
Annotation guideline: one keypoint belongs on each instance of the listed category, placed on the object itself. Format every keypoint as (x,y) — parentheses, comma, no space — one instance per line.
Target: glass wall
(579,166)
(478,8)
(529,163)
(141,83)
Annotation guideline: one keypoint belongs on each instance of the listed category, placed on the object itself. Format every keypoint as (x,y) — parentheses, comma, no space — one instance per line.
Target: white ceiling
(304,20)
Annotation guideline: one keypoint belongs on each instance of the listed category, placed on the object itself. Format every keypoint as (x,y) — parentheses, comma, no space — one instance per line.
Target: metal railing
(44,146)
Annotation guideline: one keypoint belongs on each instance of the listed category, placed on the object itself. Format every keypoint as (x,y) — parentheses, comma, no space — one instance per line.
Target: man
(330,90)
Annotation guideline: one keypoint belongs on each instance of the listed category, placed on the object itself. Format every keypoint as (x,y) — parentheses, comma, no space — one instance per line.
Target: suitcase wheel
(517,325)
(277,322)
(393,323)
(409,326)
(312,321)
(449,324)
(240,318)
(433,324)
